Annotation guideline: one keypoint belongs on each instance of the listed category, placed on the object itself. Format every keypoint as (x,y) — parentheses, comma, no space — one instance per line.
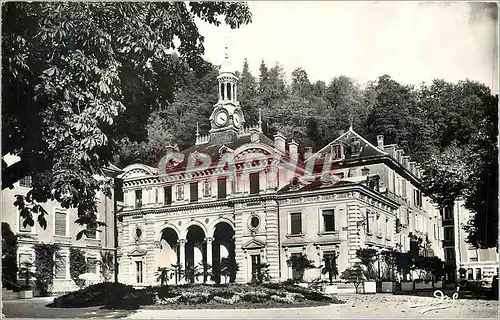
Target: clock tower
(227,118)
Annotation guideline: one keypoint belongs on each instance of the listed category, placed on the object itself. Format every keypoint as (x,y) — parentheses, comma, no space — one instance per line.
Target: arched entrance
(169,254)
(195,253)
(223,248)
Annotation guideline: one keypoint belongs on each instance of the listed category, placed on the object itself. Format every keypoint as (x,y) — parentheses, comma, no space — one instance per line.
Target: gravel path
(357,306)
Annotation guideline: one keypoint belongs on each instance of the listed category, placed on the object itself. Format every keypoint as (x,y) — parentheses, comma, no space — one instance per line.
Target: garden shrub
(45,258)
(77,265)
(9,257)
(104,293)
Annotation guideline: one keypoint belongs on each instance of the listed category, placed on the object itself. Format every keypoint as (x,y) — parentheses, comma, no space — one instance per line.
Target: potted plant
(26,290)
(300,263)
(388,258)
(436,267)
(331,268)
(368,256)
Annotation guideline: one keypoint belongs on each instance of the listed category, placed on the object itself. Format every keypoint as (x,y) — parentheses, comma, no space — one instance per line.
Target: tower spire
(226,50)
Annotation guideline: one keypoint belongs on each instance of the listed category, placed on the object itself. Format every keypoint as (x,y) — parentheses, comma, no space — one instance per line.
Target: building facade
(61,230)
(480,265)
(239,195)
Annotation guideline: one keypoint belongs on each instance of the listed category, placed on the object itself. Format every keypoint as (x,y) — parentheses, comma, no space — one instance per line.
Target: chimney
(279,142)
(170,148)
(380,142)
(293,148)
(308,153)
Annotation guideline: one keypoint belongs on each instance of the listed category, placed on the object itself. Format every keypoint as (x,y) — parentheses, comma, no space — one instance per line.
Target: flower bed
(120,296)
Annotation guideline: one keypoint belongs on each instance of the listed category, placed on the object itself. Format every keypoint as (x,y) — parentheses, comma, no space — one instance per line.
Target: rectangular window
(60,223)
(479,274)
(404,189)
(25,182)
(221,188)
(328,221)
(24,257)
(23,227)
(296,223)
(254,183)
(329,257)
(448,213)
(449,233)
(207,189)
(180,192)
(336,152)
(138,198)
(387,228)
(255,263)
(156,195)
(193,191)
(368,224)
(91,234)
(92,265)
(470,274)
(168,195)
(138,268)
(449,254)
(60,266)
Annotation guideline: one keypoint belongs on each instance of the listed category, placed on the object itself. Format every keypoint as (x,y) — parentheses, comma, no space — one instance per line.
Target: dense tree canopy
(77,75)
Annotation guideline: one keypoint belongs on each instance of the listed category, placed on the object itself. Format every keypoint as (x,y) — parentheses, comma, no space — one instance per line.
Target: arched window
(222,91)
(228,91)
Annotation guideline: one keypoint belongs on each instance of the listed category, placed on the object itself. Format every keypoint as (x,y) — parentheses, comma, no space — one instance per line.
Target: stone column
(209,257)
(182,258)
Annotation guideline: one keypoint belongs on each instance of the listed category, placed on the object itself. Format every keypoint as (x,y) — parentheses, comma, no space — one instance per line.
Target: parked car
(494,286)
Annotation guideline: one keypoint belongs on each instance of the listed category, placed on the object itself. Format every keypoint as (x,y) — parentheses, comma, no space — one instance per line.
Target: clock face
(221,118)
(236,120)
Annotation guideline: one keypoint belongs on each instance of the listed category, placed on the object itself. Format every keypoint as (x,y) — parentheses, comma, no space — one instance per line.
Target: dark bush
(105,293)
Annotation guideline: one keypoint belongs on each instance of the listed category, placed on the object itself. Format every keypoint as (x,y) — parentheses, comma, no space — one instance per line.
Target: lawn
(195,296)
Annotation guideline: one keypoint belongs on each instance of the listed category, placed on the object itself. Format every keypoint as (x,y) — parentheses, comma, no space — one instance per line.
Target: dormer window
(336,151)
(355,145)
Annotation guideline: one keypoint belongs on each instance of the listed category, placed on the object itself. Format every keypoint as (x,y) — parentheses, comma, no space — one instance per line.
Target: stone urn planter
(369,287)
(26,293)
(407,286)
(388,287)
(331,288)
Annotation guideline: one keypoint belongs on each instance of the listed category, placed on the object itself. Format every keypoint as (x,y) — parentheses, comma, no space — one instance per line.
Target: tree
(229,268)
(368,256)
(9,257)
(77,265)
(300,263)
(70,69)
(247,94)
(300,85)
(330,266)
(107,264)
(470,172)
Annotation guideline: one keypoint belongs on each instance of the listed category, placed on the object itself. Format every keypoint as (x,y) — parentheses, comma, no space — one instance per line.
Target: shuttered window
(221,188)
(60,266)
(328,221)
(60,223)
(295,223)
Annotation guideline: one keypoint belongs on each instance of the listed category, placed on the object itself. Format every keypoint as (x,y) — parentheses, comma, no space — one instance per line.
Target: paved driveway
(37,308)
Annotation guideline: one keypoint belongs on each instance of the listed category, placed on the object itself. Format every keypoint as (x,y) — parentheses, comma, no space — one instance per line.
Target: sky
(410,41)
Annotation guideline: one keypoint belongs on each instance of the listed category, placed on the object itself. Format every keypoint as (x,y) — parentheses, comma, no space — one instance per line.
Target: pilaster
(272,234)
(354,230)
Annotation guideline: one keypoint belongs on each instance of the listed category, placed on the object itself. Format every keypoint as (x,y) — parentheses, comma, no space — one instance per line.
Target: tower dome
(227,80)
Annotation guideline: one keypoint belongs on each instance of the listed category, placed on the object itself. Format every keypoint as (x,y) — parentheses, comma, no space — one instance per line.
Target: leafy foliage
(78,75)
(368,256)
(229,268)
(261,273)
(46,255)
(77,265)
(26,273)
(330,266)
(300,263)
(107,264)
(9,257)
